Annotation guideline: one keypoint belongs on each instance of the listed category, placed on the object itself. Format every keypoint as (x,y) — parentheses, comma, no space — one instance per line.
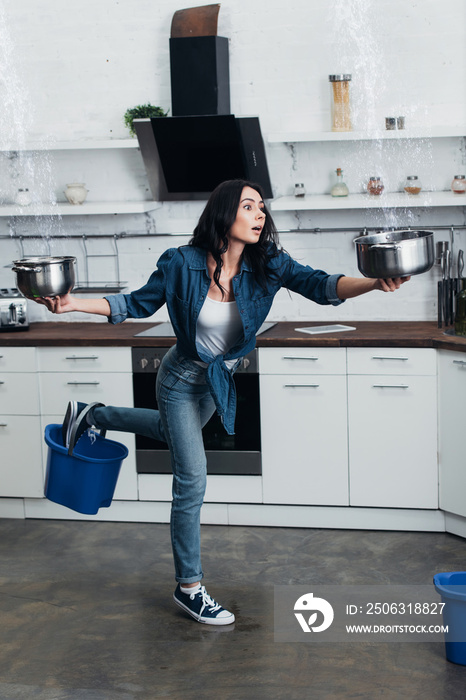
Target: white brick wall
(70,72)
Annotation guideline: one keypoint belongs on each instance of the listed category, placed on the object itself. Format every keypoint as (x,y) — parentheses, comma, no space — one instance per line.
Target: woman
(218,290)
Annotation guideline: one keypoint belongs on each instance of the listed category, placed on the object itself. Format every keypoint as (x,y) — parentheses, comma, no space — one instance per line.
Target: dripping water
(24,167)
(359,48)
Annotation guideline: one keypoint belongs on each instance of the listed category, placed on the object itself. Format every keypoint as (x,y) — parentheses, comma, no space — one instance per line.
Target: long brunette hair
(211,232)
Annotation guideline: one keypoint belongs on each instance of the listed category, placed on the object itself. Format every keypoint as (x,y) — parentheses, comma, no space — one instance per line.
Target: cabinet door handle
(86,383)
(1,382)
(82,357)
(3,425)
(462,363)
(388,357)
(294,357)
(295,385)
(390,386)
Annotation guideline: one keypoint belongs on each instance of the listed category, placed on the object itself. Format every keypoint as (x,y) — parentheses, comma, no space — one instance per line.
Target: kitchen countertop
(421,334)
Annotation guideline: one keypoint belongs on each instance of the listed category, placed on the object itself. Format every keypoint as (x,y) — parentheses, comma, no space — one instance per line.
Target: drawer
(79,359)
(302,360)
(57,388)
(17,359)
(19,394)
(422,361)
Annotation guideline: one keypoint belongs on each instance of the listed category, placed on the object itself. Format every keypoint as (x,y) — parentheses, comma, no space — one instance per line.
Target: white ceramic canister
(76,192)
(23,198)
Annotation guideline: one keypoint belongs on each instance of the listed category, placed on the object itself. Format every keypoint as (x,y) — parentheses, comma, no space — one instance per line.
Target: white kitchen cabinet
(392,427)
(84,359)
(392,361)
(304,425)
(21,472)
(90,374)
(452,452)
(57,388)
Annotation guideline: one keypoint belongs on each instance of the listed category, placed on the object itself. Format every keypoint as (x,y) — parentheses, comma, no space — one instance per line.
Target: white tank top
(219,327)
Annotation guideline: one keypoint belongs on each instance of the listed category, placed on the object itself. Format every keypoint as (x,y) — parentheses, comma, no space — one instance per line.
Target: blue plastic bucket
(86,480)
(452,587)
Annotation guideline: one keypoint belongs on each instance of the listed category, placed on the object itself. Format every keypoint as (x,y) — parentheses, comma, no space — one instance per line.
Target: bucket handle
(102,433)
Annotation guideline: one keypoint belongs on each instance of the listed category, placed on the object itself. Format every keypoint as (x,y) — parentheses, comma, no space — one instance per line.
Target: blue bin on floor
(86,480)
(452,587)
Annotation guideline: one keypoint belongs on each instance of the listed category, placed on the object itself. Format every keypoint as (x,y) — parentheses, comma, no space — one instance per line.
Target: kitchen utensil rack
(83,285)
(143,234)
(99,286)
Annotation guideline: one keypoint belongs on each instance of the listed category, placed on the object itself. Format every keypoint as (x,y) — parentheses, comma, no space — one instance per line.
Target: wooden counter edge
(421,334)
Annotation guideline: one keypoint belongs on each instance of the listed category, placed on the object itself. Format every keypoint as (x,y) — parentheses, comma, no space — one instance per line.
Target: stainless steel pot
(45,276)
(395,253)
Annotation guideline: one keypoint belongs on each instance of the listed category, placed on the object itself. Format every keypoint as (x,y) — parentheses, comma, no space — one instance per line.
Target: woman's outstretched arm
(349,287)
(66,303)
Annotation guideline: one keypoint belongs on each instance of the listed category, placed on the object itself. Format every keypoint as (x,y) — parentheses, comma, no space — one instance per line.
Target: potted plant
(141,112)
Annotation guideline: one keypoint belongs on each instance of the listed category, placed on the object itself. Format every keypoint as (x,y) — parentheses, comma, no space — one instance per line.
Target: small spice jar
(299,190)
(458,185)
(375,185)
(340,102)
(412,185)
(339,189)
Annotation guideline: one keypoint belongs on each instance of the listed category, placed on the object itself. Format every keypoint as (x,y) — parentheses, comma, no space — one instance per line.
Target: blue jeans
(185,406)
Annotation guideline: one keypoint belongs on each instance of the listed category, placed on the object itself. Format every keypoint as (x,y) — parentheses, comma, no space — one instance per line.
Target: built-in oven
(226,454)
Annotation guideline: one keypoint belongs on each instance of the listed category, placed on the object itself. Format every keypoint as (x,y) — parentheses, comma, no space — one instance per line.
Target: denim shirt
(182,281)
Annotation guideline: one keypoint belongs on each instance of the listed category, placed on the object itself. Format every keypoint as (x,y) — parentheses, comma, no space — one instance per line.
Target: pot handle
(26,269)
(385,246)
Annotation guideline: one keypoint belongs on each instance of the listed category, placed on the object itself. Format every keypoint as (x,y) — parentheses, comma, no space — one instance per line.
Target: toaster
(13,310)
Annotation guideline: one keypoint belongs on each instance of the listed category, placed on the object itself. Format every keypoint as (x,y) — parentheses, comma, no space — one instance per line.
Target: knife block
(200,76)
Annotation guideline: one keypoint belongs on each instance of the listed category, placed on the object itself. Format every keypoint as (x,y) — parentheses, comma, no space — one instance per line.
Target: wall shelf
(86,209)
(398,200)
(73,145)
(380,134)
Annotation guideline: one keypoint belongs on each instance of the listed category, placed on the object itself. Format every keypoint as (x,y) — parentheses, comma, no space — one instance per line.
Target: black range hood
(188,154)
(186,157)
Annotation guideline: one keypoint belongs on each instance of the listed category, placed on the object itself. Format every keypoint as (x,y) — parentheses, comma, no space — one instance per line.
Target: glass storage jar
(339,189)
(375,185)
(458,185)
(390,123)
(412,185)
(299,189)
(340,103)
